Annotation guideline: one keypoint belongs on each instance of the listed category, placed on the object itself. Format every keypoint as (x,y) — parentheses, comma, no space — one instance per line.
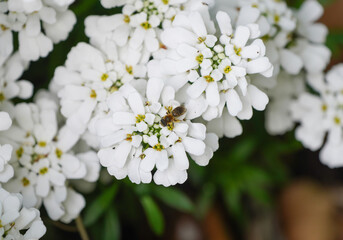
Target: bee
(172,115)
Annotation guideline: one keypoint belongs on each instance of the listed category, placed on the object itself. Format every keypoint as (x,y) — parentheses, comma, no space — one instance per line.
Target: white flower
(293,39)
(310,12)
(114,3)
(10,87)
(5,121)
(17,222)
(287,89)
(217,69)
(144,132)
(39,24)
(42,160)
(226,125)
(138,25)
(321,115)
(64,204)
(294,45)
(6,170)
(90,76)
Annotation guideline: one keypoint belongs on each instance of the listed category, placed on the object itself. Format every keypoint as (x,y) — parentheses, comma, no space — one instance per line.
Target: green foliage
(98,207)
(112,225)
(297,3)
(154,214)
(174,198)
(335,42)
(244,170)
(205,200)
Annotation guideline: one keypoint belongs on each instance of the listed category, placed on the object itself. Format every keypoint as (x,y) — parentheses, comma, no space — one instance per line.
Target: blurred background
(257,187)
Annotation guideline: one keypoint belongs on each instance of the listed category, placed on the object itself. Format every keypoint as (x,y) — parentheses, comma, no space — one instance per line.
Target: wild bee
(172,115)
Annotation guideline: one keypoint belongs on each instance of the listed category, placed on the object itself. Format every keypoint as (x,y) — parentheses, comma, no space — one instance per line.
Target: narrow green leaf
(174,198)
(243,150)
(205,200)
(112,225)
(99,205)
(154,215)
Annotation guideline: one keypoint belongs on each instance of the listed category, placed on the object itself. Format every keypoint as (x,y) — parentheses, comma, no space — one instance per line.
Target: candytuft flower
(144,132)
(90,76)
(17,222)
(42,160)
(39,24)
(321,115)
(137,26)
(215,69)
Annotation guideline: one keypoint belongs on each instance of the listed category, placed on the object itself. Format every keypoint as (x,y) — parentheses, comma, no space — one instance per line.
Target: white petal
(193,146)
(259,99)
(233,102)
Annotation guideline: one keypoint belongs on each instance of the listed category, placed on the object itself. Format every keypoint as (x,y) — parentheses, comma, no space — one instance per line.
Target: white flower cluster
(150,75)
(89,77)
(43,162)
(10,88)
(42,174)
(144,131)
(18,222)
(39,24)
(214,72)
(155,88)
(321,116)
(138,26)
(293,38)
(295,46)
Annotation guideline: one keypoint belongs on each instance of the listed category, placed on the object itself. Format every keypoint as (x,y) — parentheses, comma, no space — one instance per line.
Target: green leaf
(243,150)
(112,226)
(205,200)
(174,198)
(100,205)
(154,215)
(232,197)
(335,42)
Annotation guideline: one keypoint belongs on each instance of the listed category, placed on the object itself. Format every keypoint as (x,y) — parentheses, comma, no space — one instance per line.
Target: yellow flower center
(42,144)
(58,153)
(146,25)
(129,137)
(127,19)
(201,40)
(25,181)
(43,170)
(237,50)
(129,69)
(2,97)
(19,152)
(209,79)
(113,89)
(104,77)
(3,27)
(140,118)
(158,147)
(200,58)
(337,120)
(227,69)
(93,94)
(324,107)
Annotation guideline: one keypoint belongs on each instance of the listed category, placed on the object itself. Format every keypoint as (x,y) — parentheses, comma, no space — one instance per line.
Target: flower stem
(81,228)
